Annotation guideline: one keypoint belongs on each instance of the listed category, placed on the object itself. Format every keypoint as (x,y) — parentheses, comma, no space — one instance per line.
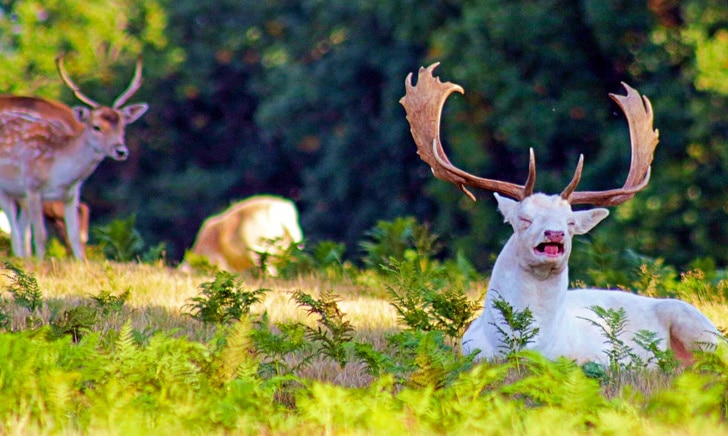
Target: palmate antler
(424,102)
(134,85)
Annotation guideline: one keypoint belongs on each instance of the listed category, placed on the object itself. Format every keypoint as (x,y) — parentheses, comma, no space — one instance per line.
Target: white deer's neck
(540,289)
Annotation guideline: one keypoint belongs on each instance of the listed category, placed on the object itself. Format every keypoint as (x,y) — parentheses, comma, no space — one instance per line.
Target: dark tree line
(300,98)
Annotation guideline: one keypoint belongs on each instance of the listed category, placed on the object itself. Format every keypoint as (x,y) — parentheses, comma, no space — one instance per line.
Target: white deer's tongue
(551,250)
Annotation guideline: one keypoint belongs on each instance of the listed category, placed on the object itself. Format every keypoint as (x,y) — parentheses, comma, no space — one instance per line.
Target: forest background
(301,99)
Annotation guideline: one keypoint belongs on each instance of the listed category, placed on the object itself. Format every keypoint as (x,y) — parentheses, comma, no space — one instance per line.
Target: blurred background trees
(300,98)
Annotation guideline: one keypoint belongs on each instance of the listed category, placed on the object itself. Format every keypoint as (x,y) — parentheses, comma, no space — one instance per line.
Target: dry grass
(159,295)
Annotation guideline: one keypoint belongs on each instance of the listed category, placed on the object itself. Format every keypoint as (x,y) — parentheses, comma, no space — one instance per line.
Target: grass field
(149,366)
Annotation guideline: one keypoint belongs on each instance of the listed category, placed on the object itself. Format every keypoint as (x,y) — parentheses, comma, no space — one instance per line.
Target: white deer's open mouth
(550,249)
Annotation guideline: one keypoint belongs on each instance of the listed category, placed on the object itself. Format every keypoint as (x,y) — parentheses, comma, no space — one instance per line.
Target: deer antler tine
(442,162)
(423,104)
(643,137)
(75,88)
(134,85)
(574,180)
(531,180)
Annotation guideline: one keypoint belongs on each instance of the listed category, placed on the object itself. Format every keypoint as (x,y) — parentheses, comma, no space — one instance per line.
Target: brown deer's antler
(75,88)
(644,139)
(423,104)
(134,85)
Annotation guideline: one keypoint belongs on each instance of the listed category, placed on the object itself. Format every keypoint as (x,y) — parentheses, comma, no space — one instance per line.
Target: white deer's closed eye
(531,272)
(524,223)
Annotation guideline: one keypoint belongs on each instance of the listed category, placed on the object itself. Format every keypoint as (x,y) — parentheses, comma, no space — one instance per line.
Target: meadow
(128,346)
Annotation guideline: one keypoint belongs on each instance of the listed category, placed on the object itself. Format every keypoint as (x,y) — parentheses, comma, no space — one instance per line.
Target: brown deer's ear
(586,220)
(82,113)
(132,112)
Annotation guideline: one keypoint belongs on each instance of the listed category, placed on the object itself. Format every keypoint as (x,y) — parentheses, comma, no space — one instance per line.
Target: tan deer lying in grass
(53,211)
(531,271)
(48,149)
(235,239)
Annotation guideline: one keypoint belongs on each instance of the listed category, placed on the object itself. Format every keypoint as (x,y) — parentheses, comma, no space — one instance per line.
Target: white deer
(531,271)
(235,239)
(48,149)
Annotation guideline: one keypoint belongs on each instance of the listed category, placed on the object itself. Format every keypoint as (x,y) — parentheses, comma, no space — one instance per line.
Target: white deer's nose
(554,235)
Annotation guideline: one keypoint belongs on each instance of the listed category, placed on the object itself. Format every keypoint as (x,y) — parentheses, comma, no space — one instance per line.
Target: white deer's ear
(133,112)
(82,113)
(586,219)
(506,206)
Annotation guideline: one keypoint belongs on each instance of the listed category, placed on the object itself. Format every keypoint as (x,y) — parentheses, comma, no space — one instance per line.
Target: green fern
(234,359)
(24,288)
(516,328)
(425,300)
(276,348)
(614,322)
(26,293)
(333,332)
(223,300)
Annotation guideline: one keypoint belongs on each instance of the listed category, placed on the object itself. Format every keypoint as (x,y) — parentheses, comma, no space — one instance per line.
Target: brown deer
(531,272)
(48,149)
(53,212)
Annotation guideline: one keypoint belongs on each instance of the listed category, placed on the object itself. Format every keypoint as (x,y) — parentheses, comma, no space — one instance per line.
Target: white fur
(234,239)
(4,223)
(529,279)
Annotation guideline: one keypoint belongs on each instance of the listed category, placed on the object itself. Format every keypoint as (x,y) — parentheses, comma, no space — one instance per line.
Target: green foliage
(66,378)
(97,35)
(223,300)
(435,364)
(240,112)
(75,322)
(377,362)
(26,293)
(119,239)
(402,238)
(199,262)
(612,324)
(516,329)
(108,302)
(24,288)
(426,301)
(298,259)
(664,359)
(333,332)
(276,348)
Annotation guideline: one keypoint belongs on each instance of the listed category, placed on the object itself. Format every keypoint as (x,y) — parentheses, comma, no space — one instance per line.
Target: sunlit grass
(159,295)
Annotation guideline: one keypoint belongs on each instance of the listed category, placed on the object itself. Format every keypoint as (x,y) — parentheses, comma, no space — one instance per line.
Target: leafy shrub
(325,257)
(425,301)
(621,356)
(333,333)
(24,288)
(519,330)
(107,302)
(26,292)
(402,238)
(74,322)
(223,300)
(276,347)
(121,241)
(424,359)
